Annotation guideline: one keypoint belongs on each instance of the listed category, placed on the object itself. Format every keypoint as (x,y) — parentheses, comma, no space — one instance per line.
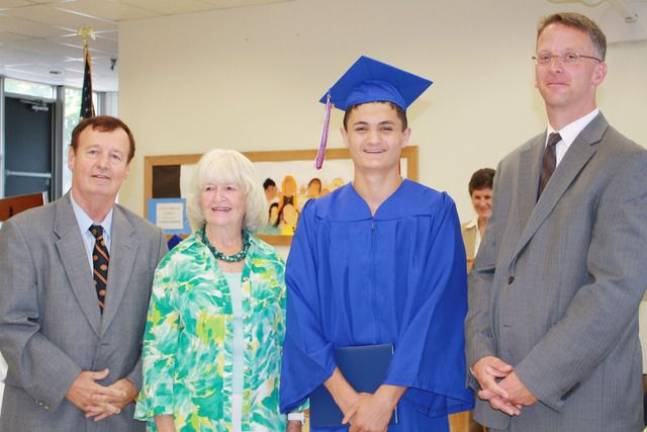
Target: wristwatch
(297,416)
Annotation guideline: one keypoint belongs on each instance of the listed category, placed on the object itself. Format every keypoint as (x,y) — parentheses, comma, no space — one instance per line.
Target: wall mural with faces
(289,179)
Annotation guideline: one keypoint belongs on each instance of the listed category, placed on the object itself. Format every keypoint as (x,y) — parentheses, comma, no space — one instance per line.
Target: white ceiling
(39,42)
(38,39)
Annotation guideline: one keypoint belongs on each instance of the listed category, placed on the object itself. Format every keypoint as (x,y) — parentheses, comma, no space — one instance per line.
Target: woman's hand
(165,423)
(293,426)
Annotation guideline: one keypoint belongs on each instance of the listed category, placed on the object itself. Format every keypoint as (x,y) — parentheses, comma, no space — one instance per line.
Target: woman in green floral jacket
(215,326)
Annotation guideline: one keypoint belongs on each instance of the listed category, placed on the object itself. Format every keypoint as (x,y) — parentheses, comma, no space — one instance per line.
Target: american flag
(87,105)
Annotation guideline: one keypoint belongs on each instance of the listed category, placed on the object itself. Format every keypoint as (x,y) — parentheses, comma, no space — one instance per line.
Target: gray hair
(228,166)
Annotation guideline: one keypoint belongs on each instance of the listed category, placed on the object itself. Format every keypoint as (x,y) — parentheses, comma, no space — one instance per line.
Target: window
(29,88)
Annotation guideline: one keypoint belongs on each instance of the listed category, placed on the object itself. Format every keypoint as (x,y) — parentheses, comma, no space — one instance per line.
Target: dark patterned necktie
(549,162)
(100,261)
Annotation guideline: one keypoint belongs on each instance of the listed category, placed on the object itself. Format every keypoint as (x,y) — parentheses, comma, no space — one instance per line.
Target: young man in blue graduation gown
(379,260)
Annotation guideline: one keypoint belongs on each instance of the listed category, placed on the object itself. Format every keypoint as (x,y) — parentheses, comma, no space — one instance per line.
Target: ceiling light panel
(29,28)
(55,16)
(111,10)
(13,3)
(170,7)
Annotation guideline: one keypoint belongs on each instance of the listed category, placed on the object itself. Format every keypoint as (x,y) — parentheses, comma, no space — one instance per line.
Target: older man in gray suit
(75,279)
(552,328)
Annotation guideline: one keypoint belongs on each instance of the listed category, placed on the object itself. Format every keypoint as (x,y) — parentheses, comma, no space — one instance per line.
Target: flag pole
(87,104)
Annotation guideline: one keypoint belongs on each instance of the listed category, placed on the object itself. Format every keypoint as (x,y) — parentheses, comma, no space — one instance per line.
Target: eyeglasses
(569,57)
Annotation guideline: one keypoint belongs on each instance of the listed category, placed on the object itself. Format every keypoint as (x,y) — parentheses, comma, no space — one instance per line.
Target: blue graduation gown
(396,277)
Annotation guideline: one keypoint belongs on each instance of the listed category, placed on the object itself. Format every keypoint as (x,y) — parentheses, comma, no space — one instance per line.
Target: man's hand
(293,426)
(372,412)
(366,412)
(518,393)
(369,414)
(84,388)
(504,405)
(487,371)
(106,404)
(343,393)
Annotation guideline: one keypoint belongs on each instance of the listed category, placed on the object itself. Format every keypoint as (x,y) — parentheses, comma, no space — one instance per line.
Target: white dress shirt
(569,133)
(84,221)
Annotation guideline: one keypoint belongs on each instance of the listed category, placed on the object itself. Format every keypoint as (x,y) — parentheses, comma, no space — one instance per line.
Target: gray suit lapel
(578,154)
(529,166)
(123,247)
(75,261)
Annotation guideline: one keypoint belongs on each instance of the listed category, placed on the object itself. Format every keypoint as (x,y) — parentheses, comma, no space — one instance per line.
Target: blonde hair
(228,166)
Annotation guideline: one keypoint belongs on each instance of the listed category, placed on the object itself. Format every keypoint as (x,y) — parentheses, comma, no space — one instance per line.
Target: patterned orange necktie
(100,261)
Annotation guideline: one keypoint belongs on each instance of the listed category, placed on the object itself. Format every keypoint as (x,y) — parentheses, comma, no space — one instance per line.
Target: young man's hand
(372,412)
(293,426)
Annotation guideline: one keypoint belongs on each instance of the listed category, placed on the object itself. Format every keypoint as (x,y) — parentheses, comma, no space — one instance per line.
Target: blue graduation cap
(369,80)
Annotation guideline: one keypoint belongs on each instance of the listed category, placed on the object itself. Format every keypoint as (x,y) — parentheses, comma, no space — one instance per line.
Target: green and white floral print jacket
(187,349)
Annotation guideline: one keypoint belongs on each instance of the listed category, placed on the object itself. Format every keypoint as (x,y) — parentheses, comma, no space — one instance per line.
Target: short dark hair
(103,123)
(579,22)
(315,180)
(402,115)
(268,182)
(269,212)
(482,179)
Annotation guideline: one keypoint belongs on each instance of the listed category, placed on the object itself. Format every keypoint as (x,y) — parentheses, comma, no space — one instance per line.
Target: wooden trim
(13,205)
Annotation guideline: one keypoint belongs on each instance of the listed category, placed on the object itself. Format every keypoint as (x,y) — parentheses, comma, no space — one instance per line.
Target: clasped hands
(99,401)
(371,412)
(501,386)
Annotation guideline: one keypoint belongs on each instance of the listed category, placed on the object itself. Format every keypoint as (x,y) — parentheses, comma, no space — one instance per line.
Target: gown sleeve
(429,357)
(308,359)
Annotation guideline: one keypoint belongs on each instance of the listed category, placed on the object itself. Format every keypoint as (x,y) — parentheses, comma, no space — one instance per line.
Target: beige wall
(249,79)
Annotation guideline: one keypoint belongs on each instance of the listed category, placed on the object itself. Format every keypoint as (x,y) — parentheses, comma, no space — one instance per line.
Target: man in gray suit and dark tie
(552,327)
(75,280)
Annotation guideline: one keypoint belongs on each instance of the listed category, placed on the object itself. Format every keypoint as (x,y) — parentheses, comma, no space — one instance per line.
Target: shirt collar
(569,132)
(86,221)
(472,224)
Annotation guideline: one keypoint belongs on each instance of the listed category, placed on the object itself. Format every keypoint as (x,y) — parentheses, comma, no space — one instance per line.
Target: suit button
(510,280)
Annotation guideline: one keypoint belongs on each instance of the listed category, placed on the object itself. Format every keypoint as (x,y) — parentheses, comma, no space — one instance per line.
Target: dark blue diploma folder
(365,368)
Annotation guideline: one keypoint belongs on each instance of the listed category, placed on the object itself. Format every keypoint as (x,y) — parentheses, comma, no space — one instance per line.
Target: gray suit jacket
(50,325)
(556,285)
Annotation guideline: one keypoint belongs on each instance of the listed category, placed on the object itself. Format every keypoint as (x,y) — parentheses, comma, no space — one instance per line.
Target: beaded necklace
(237,257)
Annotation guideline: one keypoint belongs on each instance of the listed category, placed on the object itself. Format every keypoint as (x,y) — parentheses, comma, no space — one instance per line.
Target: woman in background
(480,189)
(212,344)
